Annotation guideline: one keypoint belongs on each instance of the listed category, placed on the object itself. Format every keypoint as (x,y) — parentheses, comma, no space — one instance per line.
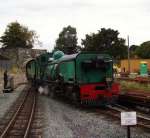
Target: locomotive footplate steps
(100,101)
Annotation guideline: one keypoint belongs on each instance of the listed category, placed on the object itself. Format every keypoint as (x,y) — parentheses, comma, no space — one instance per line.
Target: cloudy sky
(48,17)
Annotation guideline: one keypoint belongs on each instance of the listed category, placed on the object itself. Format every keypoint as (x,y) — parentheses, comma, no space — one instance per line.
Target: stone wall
(19,55)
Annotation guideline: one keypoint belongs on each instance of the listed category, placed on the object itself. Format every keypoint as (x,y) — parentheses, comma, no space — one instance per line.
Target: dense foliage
(143,50)
(67,40)
(18,36)
(133,51)
(106,41)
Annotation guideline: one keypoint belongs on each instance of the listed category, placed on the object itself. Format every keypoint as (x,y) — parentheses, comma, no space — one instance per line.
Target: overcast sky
(48,17)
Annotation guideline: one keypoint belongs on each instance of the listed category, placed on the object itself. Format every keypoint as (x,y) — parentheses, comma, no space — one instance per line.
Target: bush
(134,86)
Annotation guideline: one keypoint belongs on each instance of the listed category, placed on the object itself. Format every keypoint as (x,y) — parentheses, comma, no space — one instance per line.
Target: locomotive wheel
(52,93)
(76,98)
(46,90)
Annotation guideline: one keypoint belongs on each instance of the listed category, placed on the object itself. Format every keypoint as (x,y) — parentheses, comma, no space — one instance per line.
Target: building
(24,54)
(19,55)
(134,64)
(5,63)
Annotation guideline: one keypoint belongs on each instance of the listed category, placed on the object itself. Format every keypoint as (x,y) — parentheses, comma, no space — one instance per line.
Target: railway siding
(135,98)
(7,99)
(135,91)
(23,119)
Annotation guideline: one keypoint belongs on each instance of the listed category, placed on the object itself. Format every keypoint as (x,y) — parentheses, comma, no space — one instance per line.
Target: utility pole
(128,54)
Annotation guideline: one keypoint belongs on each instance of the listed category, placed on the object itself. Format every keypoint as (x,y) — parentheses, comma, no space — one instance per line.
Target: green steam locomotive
(85,77)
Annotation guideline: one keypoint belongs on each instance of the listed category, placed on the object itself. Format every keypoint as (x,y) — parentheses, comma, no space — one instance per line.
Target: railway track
(138,80)
(19,125)
(138,101)
(115,111)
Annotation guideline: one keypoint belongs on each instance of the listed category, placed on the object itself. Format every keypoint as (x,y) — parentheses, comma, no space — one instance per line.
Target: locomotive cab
(94,74)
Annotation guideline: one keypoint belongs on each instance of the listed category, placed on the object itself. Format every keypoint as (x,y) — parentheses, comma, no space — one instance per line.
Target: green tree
(67,40)
(143,50)
(18,36)
(133,51)
(106,41)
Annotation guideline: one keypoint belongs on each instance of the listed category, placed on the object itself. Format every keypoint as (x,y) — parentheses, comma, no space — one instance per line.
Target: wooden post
(128,55)
(128,132)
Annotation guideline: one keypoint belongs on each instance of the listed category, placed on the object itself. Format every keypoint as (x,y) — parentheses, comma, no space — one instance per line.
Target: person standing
(5,79)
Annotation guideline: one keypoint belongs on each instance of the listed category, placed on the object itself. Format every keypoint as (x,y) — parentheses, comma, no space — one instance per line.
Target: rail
(143,120)
(28,101)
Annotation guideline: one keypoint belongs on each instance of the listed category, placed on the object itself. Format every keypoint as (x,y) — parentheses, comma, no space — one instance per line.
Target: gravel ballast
(7,99)
(62,120)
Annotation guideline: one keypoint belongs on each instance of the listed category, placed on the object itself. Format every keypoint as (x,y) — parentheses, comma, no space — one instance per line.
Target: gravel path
(7,99)
(62,120)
